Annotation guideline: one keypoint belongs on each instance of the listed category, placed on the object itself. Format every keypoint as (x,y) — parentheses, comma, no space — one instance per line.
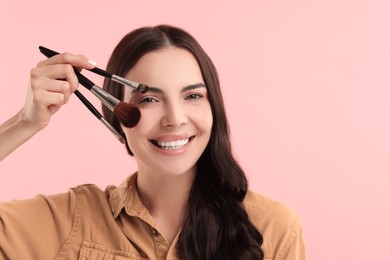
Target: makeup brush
(99,116)
(139,87)
(129,115)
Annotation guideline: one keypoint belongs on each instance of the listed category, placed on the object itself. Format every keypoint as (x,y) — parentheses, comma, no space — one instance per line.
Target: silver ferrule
(124,81)
(108,100)
(112,129)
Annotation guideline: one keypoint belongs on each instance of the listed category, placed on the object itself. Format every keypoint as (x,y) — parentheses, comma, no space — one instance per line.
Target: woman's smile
(167,143)
(172,147)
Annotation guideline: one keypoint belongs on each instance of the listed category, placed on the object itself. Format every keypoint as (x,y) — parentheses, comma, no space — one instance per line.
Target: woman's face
(176,117)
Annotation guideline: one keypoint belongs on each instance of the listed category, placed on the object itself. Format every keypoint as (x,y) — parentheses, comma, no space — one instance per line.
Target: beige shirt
(88,223)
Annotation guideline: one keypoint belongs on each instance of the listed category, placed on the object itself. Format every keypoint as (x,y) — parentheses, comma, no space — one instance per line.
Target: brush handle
(90,107)
(101,72)
(99,116)
(50,53)
(84,81)
(47,52)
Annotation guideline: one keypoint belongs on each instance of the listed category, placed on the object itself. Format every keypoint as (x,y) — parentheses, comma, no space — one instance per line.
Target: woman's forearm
(13,133)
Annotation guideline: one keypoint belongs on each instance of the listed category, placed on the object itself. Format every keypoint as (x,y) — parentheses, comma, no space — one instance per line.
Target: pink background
(307,90)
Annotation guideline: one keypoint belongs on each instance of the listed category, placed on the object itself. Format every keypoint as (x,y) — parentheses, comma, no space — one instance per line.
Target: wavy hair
(217,225)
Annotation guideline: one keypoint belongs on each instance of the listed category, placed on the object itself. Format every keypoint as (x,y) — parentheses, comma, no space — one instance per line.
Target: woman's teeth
(172,145)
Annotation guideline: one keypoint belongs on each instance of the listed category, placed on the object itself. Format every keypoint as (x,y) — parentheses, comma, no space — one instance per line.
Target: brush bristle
(129,115)
(142,88)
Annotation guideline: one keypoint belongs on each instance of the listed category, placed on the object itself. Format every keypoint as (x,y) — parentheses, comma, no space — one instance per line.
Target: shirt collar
(126,197)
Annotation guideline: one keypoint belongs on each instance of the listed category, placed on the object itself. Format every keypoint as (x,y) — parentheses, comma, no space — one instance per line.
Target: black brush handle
(101,72)
(85,101)
(84,81)
(49,53)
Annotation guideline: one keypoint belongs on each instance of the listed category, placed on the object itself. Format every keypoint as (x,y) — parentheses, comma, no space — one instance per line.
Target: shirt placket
(160,245)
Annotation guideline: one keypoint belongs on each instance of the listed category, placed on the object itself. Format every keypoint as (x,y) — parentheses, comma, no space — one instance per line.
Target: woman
(189,197)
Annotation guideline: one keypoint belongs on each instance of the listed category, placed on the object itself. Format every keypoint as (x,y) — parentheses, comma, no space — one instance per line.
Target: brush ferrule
(108,100)
(112,129)
(124,81)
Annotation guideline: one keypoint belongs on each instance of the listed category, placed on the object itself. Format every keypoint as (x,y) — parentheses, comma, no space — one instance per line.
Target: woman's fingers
(47,99)
(59,69)
(44,90)
(62,66)
(68,58)
(55,72)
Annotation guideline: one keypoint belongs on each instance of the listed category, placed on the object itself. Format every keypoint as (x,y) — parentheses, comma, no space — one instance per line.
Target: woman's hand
(52,82)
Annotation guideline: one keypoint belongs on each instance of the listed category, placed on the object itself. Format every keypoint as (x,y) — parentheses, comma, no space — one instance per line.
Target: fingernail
(92,62)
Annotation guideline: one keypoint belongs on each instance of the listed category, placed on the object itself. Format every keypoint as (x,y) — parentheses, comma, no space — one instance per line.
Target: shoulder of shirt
(90,189)
(261,207)
(277,222)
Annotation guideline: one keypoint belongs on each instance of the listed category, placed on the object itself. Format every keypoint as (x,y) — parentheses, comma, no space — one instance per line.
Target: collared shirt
(88,223)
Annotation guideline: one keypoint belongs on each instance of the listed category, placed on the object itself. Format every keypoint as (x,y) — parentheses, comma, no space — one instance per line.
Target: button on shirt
(88,223)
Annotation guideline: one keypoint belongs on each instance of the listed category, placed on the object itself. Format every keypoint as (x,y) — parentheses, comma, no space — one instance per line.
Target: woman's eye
(193,96)
(147,100)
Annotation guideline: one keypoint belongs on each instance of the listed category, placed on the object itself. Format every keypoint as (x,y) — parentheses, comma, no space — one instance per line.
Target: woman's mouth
(172,145)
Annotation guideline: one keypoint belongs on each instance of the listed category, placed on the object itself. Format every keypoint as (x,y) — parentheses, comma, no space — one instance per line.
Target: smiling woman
(189,198)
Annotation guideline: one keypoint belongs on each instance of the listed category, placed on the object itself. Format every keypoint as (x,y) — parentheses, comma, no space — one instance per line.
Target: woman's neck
(165,197)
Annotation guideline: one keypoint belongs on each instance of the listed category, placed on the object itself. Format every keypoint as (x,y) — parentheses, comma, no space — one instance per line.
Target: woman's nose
(174,115)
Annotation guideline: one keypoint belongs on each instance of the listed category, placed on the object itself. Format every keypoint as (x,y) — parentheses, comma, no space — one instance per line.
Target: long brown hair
(217,225)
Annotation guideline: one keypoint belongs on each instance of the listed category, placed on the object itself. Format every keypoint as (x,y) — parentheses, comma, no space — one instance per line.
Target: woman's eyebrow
(154,90)
(184,89)
(193,86)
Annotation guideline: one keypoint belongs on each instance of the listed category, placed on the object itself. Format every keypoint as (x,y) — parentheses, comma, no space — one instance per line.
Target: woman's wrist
(14,132)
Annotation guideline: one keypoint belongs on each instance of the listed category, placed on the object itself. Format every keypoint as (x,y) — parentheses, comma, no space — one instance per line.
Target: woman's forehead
(167,66)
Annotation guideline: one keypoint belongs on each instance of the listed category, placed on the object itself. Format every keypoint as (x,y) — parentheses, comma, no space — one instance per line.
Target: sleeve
(279,225)
(294,246)
(36,228)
